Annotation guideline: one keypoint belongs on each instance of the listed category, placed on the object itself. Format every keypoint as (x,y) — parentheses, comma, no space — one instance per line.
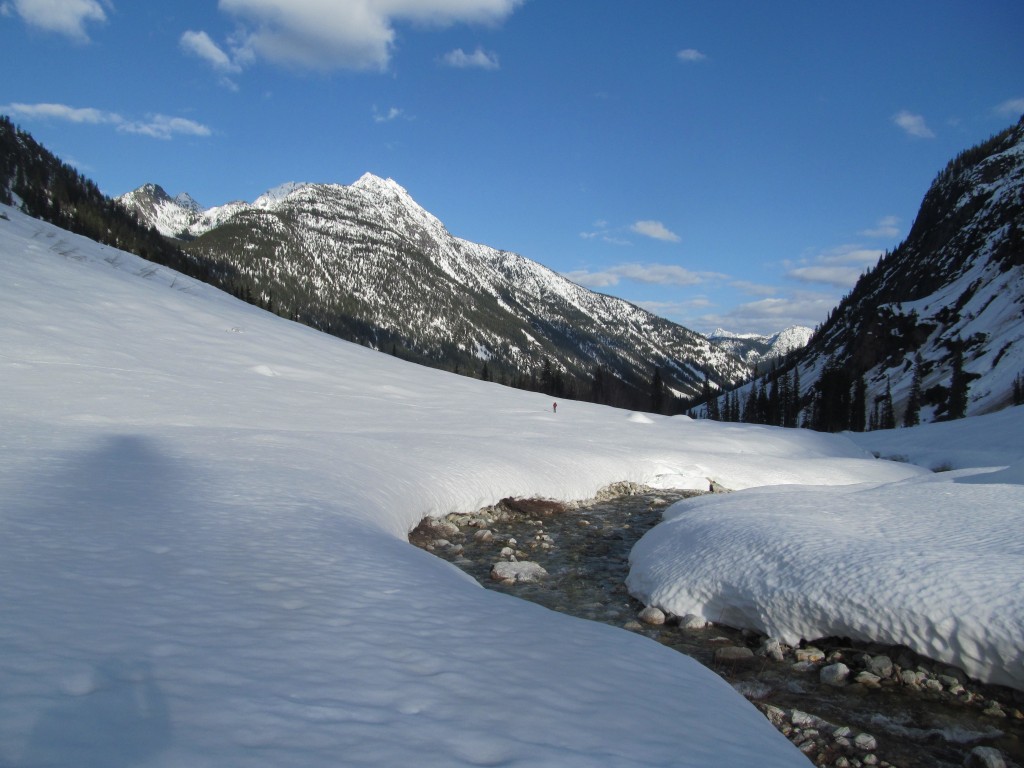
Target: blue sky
(732,164)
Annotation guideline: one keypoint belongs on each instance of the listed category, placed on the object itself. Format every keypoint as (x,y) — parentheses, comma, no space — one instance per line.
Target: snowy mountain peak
(275,195)
(154,191)
(370,181)
(185,200)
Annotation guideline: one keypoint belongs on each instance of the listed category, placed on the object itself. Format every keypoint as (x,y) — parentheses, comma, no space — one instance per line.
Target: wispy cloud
(392,113)
(1011,108)
(887,227)
(754,289)
(64,17)
(652,274)
(199,44)
(913,125)
(840,267)
(655,230)
(323,36)
(478,59)
(771,315)
(156,126)
(691,55)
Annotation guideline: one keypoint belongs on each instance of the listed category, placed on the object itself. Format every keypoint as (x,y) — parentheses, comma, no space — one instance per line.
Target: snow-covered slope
(366,262)
(956,282)
(203,557)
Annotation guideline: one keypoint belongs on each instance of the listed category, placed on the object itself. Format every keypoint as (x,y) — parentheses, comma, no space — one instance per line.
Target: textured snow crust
(203,558)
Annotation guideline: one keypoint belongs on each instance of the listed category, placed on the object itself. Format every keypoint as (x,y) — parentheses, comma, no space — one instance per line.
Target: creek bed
(935,721)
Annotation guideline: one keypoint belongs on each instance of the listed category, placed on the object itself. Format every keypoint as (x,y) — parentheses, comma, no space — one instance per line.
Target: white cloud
(656,230)
(386,117)
(841,267)
(754,289)
(913,125)
(65,17)
(200,44)
(771,315)
(165,127)
(156,126)
(478,59)
(62,112)
(654,274)
(358,34)
(1011,108)
(887,227)
(691,54)
(606,236)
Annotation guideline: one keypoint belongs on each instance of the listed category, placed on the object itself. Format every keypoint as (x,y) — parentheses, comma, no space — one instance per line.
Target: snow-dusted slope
(203,557)
(367,262)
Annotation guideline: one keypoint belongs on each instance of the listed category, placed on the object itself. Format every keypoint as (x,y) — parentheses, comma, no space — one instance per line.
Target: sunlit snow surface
(203,557)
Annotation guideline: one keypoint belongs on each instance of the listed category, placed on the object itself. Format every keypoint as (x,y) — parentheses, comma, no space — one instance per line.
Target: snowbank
(203,557)
(993,440)
(933,562)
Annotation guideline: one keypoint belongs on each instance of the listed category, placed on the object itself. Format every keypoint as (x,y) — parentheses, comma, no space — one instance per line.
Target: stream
(916,714)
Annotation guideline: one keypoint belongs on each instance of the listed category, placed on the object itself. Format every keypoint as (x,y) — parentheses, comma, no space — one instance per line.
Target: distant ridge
(368,263)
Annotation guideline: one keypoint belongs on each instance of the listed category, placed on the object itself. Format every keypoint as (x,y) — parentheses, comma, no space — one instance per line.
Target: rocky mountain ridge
(936,329)
(753,348)
(366,262)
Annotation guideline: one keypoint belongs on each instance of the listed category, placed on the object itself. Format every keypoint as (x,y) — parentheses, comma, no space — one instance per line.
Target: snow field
(203,556)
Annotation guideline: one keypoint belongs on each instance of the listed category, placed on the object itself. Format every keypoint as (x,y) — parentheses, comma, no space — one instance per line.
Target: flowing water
(585,551)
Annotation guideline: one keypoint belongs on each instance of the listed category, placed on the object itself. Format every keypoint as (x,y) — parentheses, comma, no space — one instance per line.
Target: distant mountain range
(934,330)
(366,262)
(753,348)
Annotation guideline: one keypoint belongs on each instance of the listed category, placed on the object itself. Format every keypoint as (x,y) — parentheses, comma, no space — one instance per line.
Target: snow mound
(925,562)
(639,418)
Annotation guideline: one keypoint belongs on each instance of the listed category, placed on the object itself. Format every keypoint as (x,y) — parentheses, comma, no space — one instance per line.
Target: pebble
(810,654)
(732,654)
(881,666)
(525,572)
(865,742)
(985,757)
(868,680)
(835,674)
(772,649)
(652,615)
(693,621)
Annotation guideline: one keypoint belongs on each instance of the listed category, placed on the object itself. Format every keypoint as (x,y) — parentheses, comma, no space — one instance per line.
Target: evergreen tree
(958,384)
(858,405)
(795,404)
(1018,390)
(912,414)
(657,392)
(832,399)
(887,417)
(712,401)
